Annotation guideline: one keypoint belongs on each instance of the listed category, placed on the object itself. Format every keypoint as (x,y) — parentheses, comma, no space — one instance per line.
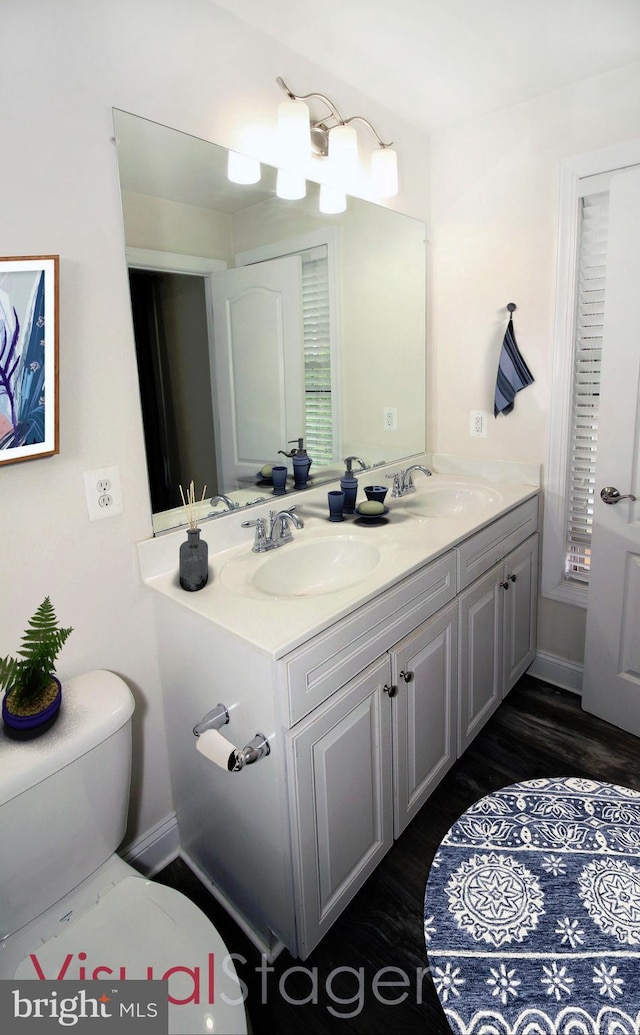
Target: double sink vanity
(368,653)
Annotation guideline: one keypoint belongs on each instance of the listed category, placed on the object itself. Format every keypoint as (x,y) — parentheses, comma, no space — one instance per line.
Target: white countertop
(275,625)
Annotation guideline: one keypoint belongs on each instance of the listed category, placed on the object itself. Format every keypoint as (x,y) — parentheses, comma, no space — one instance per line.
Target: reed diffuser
(194,554)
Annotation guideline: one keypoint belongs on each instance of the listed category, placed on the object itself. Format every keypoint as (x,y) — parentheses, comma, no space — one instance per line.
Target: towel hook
(511,306)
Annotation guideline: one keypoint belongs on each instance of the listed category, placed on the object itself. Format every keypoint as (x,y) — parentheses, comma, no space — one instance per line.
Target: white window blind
(590,304)
(317,355)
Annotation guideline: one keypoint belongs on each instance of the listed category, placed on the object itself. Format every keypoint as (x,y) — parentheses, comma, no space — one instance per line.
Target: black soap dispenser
(301,464)
(349,485)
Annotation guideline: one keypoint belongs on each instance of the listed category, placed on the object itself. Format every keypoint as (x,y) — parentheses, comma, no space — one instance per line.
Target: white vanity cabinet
(369,753)
(425,671)
(497,615)
(341,760)
(365,763)
(364,718)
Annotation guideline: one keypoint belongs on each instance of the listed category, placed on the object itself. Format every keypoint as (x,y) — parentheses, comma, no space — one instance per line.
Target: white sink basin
(303,569)
(455,499)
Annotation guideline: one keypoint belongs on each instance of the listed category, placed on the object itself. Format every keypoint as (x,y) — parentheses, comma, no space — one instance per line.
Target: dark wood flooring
(538,731)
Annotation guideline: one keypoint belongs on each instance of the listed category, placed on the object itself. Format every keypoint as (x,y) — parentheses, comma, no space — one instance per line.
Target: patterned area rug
(532,912)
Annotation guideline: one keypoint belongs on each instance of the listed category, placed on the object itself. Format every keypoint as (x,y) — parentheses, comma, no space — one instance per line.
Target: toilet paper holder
(256,749)
(213,720)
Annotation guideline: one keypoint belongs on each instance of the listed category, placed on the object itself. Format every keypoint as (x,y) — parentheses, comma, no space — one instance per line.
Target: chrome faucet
(403,480)
(348,460)
(279,531)
(228,502)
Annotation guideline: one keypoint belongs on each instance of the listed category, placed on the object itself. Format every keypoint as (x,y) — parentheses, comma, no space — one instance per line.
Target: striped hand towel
(513,373)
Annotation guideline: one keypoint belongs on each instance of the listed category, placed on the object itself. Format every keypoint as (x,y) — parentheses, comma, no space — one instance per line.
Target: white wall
(494,217)
(65,64)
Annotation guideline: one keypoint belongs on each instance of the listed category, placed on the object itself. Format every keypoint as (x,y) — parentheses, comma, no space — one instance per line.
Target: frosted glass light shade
(332,200)
(242,168)
(343,150)
(290,185)
(294,132)
(384,172)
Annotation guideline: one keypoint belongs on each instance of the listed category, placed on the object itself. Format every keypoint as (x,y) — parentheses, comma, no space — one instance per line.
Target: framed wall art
(28,357)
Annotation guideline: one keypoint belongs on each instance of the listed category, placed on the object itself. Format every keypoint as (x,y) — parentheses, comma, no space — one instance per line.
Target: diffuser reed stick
(190,504)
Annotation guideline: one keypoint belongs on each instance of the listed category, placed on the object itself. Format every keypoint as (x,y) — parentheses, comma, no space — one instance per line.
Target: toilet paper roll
(217,749)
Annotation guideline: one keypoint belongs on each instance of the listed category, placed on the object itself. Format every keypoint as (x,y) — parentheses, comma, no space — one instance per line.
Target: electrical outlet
(103,493)
(390,418)
(478,420)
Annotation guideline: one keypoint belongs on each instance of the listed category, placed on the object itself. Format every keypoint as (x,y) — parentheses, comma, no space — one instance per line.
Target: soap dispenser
(349,485)
(301,463)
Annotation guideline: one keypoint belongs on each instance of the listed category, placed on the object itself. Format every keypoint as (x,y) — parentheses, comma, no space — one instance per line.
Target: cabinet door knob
(505,585)
(391,690)
(408,676)
(513,577)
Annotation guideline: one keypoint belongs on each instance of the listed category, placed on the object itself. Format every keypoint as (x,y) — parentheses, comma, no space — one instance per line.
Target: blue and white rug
(532,912)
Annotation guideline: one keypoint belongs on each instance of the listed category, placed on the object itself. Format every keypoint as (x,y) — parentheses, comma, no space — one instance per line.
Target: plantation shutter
(590,302)
(317,355)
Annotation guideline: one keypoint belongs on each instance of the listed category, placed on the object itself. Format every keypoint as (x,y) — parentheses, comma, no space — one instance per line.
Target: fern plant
(28,676)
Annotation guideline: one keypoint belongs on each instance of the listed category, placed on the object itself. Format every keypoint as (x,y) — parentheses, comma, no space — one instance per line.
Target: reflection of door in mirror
(259,368)
(172,348)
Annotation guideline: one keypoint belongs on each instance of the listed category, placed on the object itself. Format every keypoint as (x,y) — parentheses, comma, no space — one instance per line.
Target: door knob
(612,495)
(407,676)
(390,689)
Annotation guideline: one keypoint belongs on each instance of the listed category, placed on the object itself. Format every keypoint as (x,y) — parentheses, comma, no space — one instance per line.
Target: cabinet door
(342,823)
(520,608)
(481,663)
(424,669)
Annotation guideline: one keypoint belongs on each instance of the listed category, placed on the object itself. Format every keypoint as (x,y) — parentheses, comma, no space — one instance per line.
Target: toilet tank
(64,797)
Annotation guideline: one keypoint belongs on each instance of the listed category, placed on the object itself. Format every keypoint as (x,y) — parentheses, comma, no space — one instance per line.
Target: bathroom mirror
(260,321)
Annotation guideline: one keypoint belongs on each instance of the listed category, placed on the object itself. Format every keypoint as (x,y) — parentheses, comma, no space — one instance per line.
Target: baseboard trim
(270,950)
(155,848)
(558,671)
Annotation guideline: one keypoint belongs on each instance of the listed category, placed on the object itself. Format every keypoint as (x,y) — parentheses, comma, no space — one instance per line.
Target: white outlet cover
(94,484)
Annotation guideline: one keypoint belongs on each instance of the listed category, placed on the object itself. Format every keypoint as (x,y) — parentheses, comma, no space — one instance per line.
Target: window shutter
(317,355)
(590,302)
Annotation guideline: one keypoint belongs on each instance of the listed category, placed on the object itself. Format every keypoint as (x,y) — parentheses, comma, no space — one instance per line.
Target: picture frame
(29,383)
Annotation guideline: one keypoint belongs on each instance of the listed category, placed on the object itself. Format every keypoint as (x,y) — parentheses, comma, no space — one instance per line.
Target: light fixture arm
(359,118)
(321,124)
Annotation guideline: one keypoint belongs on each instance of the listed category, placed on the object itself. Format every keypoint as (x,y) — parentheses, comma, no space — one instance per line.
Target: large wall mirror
(260,321)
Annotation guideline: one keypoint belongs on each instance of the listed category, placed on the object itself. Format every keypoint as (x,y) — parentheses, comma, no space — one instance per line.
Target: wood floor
(538,731)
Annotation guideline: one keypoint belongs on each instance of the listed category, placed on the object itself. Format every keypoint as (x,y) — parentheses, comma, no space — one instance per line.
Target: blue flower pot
(26,727)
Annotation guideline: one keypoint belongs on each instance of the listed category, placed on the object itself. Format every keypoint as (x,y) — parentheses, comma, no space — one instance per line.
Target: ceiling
(439,62)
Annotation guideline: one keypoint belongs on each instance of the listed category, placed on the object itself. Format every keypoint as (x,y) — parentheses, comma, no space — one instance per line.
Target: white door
(258,364)
(611,686)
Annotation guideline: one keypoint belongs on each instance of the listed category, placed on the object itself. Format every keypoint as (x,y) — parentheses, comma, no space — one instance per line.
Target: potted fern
(32,694)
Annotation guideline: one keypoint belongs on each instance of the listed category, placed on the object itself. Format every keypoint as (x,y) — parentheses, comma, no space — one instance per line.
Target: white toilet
(69,906)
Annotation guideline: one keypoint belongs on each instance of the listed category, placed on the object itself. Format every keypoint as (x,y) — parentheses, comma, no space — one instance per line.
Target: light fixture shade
(332,200)
(384,172)
(290,185)
(343,151)
(294,133)
(242,168)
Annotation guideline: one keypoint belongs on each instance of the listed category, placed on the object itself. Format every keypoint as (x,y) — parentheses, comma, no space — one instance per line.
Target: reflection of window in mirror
(319,419)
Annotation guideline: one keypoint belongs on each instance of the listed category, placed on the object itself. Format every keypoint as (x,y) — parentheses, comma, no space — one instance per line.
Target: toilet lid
(139,929)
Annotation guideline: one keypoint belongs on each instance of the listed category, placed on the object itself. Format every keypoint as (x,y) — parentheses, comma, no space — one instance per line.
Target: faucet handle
(261,542)
(397,481)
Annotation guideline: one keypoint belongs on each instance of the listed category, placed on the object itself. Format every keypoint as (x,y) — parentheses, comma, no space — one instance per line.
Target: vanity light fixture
(333,138)
(242,168)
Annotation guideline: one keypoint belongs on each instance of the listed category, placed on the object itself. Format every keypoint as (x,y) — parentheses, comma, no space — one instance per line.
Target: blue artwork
(532,912)
(22,369)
